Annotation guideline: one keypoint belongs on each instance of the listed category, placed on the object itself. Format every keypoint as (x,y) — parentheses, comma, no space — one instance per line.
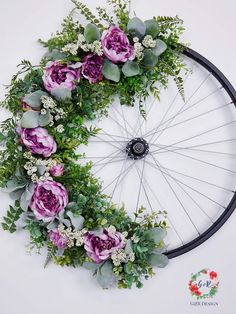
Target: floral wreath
(195,289)
(59,200)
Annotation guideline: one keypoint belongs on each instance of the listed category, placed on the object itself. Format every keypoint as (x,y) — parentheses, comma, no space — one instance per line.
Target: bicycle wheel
(180,159)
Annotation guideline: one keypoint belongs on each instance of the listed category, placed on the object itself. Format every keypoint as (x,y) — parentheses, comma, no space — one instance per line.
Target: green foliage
(13,215)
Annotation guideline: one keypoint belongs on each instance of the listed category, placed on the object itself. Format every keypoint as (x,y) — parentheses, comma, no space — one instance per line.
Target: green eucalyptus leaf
(61,93)
(16,195)
(91,33)
(77,222)
(156,234)
(159,48)
(13,185)
(111,71)
(26,197)
(29,119)
(2,137)
(130,68)
(34,99)
(158,260)
(45,119)
(55,55)
(129,247)
(152,28)
(105,275)
(149,59)
(41,169)
(91,266)
(136,27)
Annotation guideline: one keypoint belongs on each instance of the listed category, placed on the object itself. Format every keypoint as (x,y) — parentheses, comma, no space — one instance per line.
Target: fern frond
(13,215)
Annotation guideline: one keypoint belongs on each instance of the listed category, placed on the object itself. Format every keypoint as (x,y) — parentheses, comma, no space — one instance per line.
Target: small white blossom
(81,39)
(111,229)
(51,123)
(60,128)
(57,117)
(43,111)
(125,234)
(71,48)
(48,102)
(132,256)
(135,239)
(34,178)
(28,155)
(149,42)
(118,257)
(138,49)
(135,39)
(75,237)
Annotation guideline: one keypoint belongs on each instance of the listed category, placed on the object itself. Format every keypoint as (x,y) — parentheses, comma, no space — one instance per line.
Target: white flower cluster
(75,237)
(32,167)
(71,48)
(135,239)
(147,42)
(49,105)
(95,47)
(119,256)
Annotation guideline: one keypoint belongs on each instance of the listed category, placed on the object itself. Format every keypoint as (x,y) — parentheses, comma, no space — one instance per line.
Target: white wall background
(25,287)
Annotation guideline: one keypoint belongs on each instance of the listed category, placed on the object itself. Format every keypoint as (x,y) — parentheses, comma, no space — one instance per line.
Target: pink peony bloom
(57,74)
(48,200)
(116,45)
(92,68)
(57,171)
(58,239)
(100,247)
(38,141)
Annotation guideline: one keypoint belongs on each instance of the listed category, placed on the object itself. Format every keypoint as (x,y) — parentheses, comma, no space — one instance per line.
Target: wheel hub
(137,148)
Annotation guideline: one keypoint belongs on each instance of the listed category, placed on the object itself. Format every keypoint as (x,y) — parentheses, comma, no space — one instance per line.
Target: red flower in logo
(213,275)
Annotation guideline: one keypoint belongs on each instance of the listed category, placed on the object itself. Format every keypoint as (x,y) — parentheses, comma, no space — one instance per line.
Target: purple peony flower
(58,239)
(48,200)
(92,68)
(57,171)
(116,45)
(38,141)
(100,246)
(57,74)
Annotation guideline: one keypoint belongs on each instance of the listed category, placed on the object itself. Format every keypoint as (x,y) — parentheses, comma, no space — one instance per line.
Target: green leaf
(61,93)
(149,59)
(34,99)
(55,55)
(45,119)
(111,71)
(26,197)
(156,234)
(158,260)
(91,33)
(13,214)
(159,48)
(152,28)
(136,27)
(77,222)
(130,68)
(2,137)
(13,185)
(105,275)
(29,119)
(91,266)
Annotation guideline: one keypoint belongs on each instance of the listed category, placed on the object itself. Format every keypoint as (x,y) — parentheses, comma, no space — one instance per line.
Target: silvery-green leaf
(26,197)
(55,55)
(61,93)
(128,247)
(158,260)
(72,206)
(29,119)
(12,185)
(149,59)
(105,275)
(130,68)
(63,220)
(159,48)
(156,234)
(152,28)
(91,266)
(111,71)
(16,195)
(136,27)
(41,169)
(34,99)
(77,222)
(45,119)
(91,33)
(2,137)
(52,225)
